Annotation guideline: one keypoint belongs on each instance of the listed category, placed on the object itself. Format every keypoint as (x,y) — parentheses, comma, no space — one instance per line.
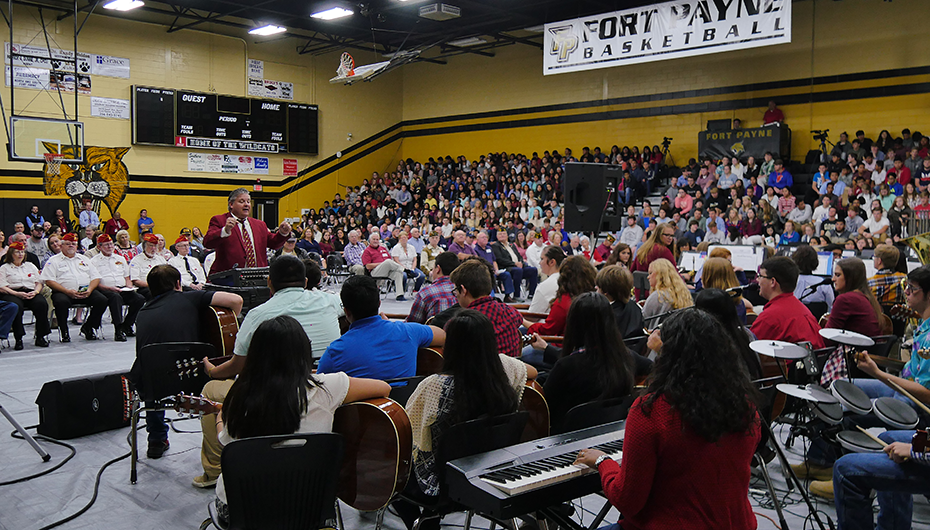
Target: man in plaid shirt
(472,280)
(353,253)
(438,296)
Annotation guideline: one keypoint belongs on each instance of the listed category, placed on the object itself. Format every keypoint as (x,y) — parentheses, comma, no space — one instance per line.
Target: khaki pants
(211,449)
(391,269)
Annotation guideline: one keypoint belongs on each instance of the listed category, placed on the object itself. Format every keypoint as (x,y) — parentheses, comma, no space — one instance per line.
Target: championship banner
(670,30)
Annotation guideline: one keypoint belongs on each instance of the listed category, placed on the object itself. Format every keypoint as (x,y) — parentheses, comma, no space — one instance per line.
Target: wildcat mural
(101,178)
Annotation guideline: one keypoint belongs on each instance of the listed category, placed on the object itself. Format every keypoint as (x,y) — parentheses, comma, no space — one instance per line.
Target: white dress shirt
(534,254)
(26,276)
(70,273)
(544,294)
(140,266)
(113,269)
(196,269)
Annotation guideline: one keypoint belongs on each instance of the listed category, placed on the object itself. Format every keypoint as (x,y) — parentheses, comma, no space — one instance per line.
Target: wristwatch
(600,459)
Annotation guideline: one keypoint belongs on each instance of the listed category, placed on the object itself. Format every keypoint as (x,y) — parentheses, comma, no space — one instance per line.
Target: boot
(119,335)
(63,334)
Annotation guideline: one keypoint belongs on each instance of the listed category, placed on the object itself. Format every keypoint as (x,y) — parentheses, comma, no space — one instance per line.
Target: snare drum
(895,413)
(851,396)
(858,442)
(831,413)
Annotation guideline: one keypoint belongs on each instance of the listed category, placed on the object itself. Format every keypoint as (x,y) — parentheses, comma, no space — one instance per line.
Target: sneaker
(807,470)
(822,488)
(157,449)
(202,481)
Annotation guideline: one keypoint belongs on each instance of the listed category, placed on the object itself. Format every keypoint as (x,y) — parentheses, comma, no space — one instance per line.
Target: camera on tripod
(666,141)
(821,135)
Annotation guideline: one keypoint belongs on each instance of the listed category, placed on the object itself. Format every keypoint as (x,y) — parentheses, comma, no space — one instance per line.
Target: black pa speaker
(70,408)
(590,193)
(719,125)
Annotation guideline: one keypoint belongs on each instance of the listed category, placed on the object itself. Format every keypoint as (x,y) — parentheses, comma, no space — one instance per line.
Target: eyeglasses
(456,291)
(668,235)
(766,277)
(911,289)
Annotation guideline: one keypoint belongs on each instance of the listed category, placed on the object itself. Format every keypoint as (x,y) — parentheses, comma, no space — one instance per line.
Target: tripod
(26,436)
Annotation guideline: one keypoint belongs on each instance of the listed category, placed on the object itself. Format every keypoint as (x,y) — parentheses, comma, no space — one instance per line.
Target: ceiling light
(123,5)
(268,29)
(535,29)
(332,14)
(470,41)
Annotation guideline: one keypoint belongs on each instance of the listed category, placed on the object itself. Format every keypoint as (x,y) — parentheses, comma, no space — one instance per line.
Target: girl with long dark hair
(724,306)
(277,393)
(475,381)
(690,438)
(593,362)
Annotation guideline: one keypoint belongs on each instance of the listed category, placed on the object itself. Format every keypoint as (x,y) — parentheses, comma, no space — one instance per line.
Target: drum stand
(792,480)
(26,436)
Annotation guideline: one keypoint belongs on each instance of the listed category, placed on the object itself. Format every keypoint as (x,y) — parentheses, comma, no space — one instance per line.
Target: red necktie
(249,247)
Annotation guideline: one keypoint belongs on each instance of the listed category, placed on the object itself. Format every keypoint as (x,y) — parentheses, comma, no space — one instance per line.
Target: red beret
(150,238)
(181,239)
(103,238)
(70,236)
(18,245)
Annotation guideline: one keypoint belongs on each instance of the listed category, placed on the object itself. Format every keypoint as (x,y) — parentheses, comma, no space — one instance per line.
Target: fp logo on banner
(564,42)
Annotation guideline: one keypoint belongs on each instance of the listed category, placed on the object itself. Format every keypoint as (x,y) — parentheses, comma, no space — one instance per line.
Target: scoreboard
(181,118)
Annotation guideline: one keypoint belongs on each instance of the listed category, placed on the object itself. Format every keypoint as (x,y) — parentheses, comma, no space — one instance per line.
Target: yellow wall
(420,110)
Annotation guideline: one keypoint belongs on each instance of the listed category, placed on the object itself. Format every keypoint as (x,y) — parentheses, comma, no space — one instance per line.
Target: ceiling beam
(212,17)
(519,40)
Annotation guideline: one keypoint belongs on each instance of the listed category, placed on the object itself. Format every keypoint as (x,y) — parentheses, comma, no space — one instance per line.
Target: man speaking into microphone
(239,240)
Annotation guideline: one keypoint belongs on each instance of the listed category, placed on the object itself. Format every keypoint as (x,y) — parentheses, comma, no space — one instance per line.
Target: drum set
(828,407)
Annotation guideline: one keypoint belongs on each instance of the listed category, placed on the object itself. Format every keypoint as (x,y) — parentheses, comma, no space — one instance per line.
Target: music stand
(26,436)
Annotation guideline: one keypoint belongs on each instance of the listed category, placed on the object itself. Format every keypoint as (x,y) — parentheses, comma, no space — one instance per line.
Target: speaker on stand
(591,197)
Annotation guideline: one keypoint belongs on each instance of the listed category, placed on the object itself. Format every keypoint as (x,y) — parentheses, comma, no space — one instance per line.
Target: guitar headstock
(903,312)
(188,368)
(195,405)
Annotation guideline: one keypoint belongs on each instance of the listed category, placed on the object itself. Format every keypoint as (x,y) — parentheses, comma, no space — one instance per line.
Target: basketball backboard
(31,138)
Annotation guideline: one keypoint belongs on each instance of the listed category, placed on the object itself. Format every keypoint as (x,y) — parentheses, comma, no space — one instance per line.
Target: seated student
(374,347)
(437,297)
(724,306)
(472,280)
(549,264)
(576,276)
(616,283)
(667,292)
(784,317)
(593,362)
(811,288)
(717,273)
(277,392)
(682,441)
(476,381)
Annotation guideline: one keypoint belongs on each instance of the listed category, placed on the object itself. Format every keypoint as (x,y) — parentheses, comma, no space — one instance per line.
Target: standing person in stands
(277,392)
(437,297)
(476,381)
(114,225)
(784,317)
(683,442)
(145,224)
(21,286)
(473,283)
(239,240)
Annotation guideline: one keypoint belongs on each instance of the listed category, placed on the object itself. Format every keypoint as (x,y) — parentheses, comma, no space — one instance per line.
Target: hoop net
(346,65)
(53,163)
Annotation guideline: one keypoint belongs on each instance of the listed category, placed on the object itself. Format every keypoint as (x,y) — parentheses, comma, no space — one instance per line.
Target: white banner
(266,88)
(23,77)
(670,30)
(214,163)
(256,69)
(39,57)
(109,108)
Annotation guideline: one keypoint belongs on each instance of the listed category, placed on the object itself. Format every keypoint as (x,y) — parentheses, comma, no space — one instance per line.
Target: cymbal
(850,338)
(807,393)
(778,349)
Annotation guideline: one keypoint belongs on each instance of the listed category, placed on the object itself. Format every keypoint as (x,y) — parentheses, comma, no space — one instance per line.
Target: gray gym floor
(164,497)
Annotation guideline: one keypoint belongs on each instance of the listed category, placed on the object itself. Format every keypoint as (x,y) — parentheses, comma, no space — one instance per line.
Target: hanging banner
(110,108)
(670,30)
(743,143)
(290,167)
(256,69)
(214,163)
(62,60)
(23,77)
(266,88)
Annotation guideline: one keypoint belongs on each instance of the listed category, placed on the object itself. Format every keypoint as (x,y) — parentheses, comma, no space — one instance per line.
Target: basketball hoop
(53,163)
(346,65)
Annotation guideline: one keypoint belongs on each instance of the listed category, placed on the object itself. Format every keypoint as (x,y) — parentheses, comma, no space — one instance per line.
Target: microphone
(737,289)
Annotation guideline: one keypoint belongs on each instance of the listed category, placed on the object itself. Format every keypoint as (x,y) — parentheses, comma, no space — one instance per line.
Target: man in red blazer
(239,240)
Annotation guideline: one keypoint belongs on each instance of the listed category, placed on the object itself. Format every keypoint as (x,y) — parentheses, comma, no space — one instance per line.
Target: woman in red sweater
(690,439)
(658,246)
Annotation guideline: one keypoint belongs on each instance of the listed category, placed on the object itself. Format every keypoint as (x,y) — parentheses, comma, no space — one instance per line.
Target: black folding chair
(280,482)
(594,413)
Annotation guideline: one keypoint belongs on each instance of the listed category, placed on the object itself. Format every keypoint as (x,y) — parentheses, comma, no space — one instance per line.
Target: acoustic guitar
(902,312)
(378,447)
(378,452)
(220,328)
(534,402)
